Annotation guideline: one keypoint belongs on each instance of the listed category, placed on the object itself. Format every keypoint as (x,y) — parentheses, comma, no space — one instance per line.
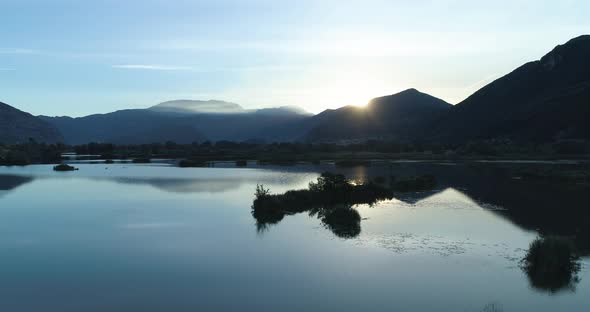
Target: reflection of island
(11,182)
(343,221)
(176,185)
(552,264)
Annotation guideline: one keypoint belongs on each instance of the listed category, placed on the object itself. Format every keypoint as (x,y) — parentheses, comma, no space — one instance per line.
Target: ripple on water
(405,243)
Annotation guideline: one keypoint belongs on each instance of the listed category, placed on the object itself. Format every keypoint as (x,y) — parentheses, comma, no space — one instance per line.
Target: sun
(347,90)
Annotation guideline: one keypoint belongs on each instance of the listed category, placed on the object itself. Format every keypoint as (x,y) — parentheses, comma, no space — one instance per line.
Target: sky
(70,57)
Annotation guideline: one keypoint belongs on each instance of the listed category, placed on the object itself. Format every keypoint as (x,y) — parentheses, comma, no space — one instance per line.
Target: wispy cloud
(155,225)
(151,67)
(15,51)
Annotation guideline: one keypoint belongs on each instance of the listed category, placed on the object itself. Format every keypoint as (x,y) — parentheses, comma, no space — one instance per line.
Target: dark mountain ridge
(543,100)
(399,116)
(17,127)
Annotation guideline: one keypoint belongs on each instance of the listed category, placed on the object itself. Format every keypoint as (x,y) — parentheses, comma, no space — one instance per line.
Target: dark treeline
(289,152)
(31,153)
(293,150)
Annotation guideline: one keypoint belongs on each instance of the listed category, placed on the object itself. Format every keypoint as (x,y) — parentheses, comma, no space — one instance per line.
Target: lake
(153,237)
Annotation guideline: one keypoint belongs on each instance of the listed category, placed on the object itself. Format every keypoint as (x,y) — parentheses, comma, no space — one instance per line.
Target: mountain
(182,122)
(543,100)
(198,107)
(399,116)
(17,126)
(133,126)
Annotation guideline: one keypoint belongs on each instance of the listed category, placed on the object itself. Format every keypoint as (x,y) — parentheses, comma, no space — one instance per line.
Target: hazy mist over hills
(198,107)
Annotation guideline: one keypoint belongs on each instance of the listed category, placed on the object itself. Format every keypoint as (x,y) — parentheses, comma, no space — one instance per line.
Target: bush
(261,192)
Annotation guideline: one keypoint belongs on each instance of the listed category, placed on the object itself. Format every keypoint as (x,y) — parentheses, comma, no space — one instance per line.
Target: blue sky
(81,57)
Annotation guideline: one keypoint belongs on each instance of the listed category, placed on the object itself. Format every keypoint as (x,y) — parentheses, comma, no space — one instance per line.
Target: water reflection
(184,182)
(343,220)
(538,206)
(552,265)
(456,248)
(11,182)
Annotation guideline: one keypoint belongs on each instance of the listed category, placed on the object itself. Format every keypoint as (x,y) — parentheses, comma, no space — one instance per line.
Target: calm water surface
(126,237)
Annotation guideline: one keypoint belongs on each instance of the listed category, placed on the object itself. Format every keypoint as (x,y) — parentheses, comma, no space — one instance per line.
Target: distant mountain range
(181,121)
(541,101)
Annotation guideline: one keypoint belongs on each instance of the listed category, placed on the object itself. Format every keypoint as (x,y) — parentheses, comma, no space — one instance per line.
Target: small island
(332,199)
(64,167)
